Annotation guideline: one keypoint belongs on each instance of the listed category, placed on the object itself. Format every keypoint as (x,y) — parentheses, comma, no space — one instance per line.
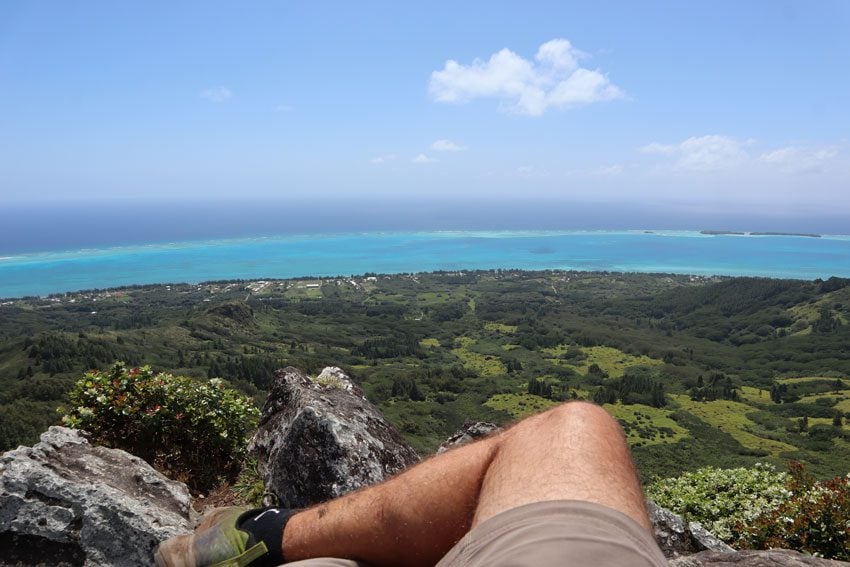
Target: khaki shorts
(563,533)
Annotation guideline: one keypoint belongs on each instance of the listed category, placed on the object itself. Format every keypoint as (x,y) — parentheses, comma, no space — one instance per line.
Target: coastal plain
(698,370)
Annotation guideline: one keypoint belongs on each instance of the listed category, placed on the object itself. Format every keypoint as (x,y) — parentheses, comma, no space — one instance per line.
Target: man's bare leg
(573,452)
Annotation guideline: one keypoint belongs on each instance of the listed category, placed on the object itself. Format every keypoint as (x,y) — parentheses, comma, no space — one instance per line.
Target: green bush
(815,519)
(193,431)
(721,499)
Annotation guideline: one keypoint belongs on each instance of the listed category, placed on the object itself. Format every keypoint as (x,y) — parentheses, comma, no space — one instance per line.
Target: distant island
(734,233)
(807,234)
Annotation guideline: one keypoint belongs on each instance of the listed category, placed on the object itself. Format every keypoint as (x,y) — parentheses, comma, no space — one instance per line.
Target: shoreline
(332,254)
(320,280)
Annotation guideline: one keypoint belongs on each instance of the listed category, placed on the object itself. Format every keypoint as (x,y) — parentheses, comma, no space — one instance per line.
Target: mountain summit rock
(66,502)
(319,438)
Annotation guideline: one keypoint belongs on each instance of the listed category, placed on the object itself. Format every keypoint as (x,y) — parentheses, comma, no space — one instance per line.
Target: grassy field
(501,328)
(610,359)
(519,405)
(646,425)
(731,417)
(481,364)
(802,379)
(755,395)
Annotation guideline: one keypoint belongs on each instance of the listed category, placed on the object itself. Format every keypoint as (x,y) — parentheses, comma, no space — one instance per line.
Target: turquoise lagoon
(681,252)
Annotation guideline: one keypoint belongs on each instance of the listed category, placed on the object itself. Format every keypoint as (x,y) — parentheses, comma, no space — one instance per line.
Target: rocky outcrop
(320,438)
(771,558)
(676,538)
(470,431)
(65,502)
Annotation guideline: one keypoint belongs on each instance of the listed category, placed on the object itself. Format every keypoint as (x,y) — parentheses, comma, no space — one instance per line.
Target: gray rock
(65,502)
(705,540)
(675,538)
(320,438)
(470,431)
(771,558)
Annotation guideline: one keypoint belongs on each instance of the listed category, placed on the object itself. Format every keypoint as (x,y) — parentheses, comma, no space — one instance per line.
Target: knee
(579,417)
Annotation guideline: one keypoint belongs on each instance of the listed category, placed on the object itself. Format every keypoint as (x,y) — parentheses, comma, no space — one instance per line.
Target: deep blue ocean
(56,249)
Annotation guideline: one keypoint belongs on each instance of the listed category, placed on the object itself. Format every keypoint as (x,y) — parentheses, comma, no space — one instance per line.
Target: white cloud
(422,158)
(447,146)
(554,79)
(703,153)
(715,153)
(530,171)
(795,159)
(610,170)
(217,94)
(382,159)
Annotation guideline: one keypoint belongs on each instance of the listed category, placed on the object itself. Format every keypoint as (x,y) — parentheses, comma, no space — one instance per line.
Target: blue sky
(712,105)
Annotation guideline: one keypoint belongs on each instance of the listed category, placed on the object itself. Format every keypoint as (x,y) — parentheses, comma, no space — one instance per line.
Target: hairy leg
(572,452)
(411,519)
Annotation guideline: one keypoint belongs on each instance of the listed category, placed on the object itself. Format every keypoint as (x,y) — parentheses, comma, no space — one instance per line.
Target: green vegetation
(249,485)
(720,499)
(195,431)
(732,417)
(500,328)
(819,513)
(475,362)
(759,508)
(613,361)
(646,425)
(704,371)
(519,405)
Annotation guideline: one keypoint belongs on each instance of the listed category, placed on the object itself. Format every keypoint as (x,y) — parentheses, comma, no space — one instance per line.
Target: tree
(826,323)
(596,370)
(540,388)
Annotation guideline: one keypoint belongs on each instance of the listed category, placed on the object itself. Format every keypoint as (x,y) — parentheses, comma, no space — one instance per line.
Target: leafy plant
(249,484)
(192,430)
(722,499)
(815,519)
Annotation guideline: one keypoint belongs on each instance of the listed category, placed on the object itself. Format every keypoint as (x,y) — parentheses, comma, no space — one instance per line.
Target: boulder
(319,438)
(66,502)
(770,558)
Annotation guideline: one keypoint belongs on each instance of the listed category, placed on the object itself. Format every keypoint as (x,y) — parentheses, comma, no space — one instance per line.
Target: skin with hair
(575,451)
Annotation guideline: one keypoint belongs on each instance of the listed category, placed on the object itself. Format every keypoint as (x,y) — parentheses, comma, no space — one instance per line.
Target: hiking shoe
(217,541)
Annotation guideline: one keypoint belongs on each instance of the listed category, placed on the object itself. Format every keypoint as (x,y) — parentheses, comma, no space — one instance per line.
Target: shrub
(815,519)
(720,499)
(193,431)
